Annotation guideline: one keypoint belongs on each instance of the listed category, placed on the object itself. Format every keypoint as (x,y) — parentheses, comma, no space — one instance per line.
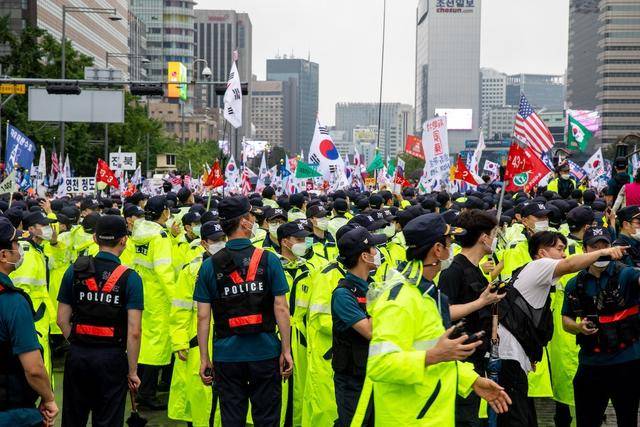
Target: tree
(198,153)
(413,166)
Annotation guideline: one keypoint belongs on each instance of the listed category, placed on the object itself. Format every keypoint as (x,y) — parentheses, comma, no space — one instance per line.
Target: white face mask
(273,231)
(47,232)
(541,226)
(18,263)
(601,264)
(636,235)
(196,230)
(377,259)
(214,248)
(494,244)
(389,230)
(447,262)
(299,249)
(254,230)
(565,176)
(322,223)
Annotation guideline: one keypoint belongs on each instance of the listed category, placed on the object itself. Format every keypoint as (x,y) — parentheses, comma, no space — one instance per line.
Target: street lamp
(206,72)
(113,16)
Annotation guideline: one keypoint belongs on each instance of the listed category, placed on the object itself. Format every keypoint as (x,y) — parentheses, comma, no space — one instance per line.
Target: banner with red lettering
(106,175)
(414,147)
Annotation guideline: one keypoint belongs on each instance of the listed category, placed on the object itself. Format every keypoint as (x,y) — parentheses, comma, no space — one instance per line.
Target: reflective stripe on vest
(97,331)
(251,272)
(252,319)
(621,315)
(362,300)
(109,284)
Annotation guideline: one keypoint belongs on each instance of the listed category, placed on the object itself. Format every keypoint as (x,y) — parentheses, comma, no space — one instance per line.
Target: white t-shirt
(534,283)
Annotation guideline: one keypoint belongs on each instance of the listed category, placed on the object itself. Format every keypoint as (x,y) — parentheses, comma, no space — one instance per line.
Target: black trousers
(95,380)
(148,375)
(260,382)
(348,389)
(593,387)
(522,412)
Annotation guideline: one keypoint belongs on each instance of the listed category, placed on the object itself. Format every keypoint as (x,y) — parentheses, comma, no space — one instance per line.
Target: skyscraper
(217,34)
(169,26)
(304,75)
(582,64)
(618,76)
(21,13)
(396,122)
(448,66)
(542,90)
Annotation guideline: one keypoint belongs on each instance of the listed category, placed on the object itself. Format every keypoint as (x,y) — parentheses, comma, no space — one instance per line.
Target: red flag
(400,180)
(525,169)
(463,174)
(214,178)
(414,147)
(106,175)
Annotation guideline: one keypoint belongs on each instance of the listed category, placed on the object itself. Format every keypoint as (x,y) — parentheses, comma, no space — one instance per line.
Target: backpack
(532,327)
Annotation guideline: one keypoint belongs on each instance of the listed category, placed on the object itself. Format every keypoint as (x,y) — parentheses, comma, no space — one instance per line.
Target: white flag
(9,183)
(232,175)
(262,175)
(595,167)
(233,98)
(136,179)
(324,153)
(41,174)
(475,159)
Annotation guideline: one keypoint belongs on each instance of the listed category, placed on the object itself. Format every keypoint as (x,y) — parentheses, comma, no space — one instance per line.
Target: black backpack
(532,327)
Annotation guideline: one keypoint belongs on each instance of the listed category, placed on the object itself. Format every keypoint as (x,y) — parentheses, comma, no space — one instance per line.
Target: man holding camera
(605,297)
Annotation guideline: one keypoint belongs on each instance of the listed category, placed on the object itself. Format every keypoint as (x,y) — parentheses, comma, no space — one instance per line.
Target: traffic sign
(10,89)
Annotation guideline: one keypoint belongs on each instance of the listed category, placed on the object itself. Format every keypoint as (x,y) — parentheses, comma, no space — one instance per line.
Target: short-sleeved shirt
(134,299)
(249,347)
(463,283)
(17,326)
(629,288)
(345,310)
(534,284)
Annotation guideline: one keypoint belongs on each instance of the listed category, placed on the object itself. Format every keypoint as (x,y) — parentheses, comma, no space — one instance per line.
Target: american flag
(531,130)
(246,181)
(54,163)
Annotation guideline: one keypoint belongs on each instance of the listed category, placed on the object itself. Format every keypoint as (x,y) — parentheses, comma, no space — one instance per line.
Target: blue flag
(20,149)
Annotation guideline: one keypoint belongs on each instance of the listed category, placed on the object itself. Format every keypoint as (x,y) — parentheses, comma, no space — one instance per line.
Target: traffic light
(63,88)
(146,89)
(222,87)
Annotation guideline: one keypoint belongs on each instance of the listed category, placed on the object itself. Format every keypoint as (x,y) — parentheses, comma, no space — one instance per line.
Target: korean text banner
(435,144)
(20,149)
(177,72)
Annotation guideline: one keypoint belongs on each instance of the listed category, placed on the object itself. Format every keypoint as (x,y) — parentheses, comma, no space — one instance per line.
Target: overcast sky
(344,37)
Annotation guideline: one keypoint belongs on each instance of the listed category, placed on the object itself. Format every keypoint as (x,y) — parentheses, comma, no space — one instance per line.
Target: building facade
(92,34)
(138,61)
(199,127)
(169,26)
(396,119)
(499,122)
(21,14)
(267,111)
(493,90)
(304,76)
(618,70)
(542,90)
(448,65)
(583,54)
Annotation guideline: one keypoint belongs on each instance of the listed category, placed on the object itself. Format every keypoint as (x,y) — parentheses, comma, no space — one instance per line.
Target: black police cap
(233,207)
(426,229)
(211,230)
(33,218)
(358,240)
(594,235)
(110,227)
(8,232)
(297,228)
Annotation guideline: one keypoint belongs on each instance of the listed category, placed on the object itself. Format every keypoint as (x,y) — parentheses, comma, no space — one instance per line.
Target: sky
(345,36)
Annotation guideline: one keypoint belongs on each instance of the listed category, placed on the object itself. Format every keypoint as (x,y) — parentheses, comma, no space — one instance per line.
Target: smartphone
(498,286)
(474,337)
(593,319)
(208,372)
(458,330)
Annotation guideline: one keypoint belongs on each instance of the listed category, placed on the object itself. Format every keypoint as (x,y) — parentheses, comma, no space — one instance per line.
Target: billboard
(457,118)
(177,72)
(364,135)
(91,106)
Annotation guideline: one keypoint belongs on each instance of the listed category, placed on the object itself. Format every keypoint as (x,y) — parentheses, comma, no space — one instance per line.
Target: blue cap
(426,229)
(8,232)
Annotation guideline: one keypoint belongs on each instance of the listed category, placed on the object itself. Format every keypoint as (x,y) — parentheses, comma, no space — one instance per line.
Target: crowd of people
(318,309)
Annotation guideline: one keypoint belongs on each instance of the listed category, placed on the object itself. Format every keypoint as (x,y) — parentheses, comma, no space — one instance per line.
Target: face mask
(494,244)
(47,232)
(299,249)
(18,263)
(636,235)
(541,226)
(377,259)
(196,230)
(601,264)
(214,248)
(565,176)
(389,230)
(447,262)
(273,231)
(254,230)
(322,223)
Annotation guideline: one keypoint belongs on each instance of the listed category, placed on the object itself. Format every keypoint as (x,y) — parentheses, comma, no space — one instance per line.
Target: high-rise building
(267,111)
(169,26)
(618,75)
(448,66)
(92,34)
(217,34)
(396,120)
(137,48)
(304,75)
(499,122)
(21,13)
(542,90)
(582,64)
(493,92)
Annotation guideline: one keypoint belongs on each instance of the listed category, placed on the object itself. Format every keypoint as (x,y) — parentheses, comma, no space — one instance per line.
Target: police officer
(563,184)
(629,219)
(274,218)
(413,362)
(23,377)
(351,322)
(244,287)
(99,312)
(606,298)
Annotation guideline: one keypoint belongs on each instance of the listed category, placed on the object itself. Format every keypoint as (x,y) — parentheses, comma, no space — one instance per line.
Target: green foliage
(198,153)
(413,166)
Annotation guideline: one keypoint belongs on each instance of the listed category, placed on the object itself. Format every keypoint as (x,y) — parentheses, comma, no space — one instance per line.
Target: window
(622,34)
(171,159)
